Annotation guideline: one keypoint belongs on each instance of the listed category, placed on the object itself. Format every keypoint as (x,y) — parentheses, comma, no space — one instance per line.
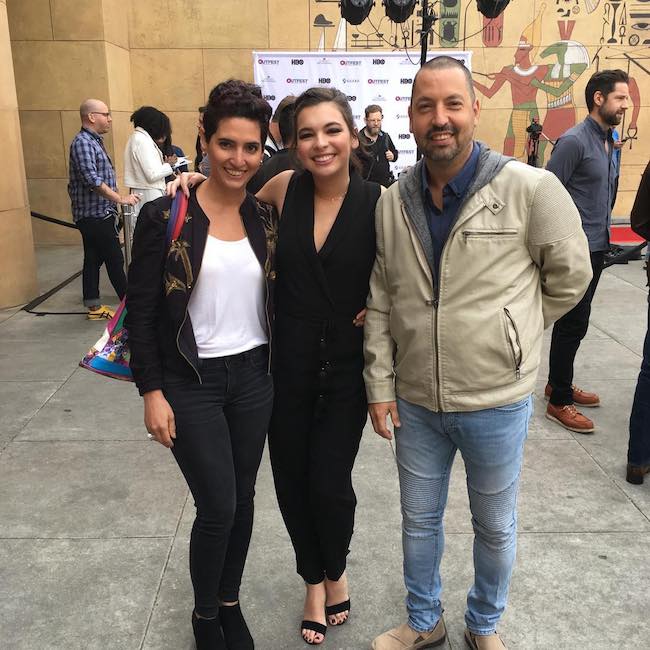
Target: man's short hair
(374,108)
(603,81)
(285,123)
(445,62)
(289,99)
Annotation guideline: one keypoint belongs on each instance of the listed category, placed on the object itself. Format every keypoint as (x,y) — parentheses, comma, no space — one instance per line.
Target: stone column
(17,263)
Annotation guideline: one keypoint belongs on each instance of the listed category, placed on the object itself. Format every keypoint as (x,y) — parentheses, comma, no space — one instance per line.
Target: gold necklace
(338,197)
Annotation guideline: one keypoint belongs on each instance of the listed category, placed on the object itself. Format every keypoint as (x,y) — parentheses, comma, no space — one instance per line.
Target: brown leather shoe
(569,418)
(580,397)
(484,642)
(406,638)
(635,473)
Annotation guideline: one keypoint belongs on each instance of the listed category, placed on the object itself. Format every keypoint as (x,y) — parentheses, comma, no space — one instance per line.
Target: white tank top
(227,304)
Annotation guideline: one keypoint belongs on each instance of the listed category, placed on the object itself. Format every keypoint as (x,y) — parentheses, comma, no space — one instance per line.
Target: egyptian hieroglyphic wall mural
(533,61)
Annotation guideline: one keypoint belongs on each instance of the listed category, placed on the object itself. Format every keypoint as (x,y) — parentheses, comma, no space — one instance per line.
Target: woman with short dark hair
(199,321)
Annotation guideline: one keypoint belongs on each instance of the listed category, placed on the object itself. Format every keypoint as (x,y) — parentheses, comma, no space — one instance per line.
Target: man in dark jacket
(284,158)
(378,150)
(638,455)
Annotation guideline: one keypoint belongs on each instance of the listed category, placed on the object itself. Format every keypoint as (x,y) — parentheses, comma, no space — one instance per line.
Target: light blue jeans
(491,442)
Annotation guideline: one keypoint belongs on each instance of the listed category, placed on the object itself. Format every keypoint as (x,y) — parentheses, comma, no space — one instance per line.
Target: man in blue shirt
(583,159)
(94,197)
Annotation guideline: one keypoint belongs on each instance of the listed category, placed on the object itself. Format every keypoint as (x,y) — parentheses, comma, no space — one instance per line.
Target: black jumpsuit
(320,404)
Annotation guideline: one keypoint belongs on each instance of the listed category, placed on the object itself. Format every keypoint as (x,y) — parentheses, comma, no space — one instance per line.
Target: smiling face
(324,141)
(235,152)
(443,115)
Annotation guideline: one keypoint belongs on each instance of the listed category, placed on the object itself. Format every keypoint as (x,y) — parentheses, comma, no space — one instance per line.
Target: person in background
(145,169)
(584,161)
(282,160)
(274,142)
(377,148)
(172,154)
(200,154)
(199,319)
(638,455)
(94,198)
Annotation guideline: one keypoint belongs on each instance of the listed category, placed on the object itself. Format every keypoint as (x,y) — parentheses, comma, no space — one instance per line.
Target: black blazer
(160,283)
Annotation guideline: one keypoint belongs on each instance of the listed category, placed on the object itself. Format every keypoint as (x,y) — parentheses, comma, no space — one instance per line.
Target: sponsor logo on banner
(379,98)
(269,98)
(323,61)
(404,136)
(351,81)
(352,98)
(293,80)
(297,62)
(357,117)
(406,152)
(378,61)
(401,116)
(350,62)
(406,80)
(268,79)
(268,61)
(378,82)
(407,61)
(403,98)
(324,80)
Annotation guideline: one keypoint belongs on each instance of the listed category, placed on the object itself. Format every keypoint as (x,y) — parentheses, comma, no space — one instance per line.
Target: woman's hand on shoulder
(275,190)
(185,181)
(159,418)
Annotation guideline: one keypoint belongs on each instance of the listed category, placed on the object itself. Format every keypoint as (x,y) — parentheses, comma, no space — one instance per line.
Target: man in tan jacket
(476,255)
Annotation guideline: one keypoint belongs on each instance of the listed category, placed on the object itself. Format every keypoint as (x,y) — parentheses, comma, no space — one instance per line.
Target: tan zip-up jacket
(515,261)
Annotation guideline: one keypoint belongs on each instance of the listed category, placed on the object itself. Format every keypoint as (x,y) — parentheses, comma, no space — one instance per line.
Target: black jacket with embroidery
(160,283)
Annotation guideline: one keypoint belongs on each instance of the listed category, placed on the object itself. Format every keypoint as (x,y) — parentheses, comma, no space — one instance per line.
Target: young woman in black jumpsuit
(325,253)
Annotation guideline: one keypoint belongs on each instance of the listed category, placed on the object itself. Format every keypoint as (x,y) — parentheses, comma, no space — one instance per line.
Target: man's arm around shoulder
(558,245)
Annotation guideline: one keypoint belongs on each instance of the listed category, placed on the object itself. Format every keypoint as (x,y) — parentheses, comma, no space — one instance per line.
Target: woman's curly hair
(236,98)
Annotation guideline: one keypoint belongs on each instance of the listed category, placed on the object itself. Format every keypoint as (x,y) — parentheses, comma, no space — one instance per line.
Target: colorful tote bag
(110,356)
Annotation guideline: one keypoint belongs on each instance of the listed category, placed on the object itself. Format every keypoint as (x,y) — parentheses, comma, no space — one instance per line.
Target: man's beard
(611,118)
(438,154)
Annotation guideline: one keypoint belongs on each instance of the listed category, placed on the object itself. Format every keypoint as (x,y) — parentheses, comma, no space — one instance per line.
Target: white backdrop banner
(382,78)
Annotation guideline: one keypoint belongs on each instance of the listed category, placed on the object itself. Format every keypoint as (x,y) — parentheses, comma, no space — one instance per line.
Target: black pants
(221,426)
(318,415)
(568,332)
(101,246)
(639,446)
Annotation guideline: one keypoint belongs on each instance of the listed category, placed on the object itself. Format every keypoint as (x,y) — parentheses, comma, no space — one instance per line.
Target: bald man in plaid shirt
(93,193)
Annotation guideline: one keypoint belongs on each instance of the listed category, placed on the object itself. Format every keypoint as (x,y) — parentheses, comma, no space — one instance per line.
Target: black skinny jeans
(221,426)
(568,332)
(101,246)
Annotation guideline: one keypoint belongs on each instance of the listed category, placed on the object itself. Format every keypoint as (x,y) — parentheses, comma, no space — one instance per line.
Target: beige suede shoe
(406,638)
(484,642)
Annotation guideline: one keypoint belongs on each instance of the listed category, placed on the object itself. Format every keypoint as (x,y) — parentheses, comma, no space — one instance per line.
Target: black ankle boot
(207,633)
(235,630)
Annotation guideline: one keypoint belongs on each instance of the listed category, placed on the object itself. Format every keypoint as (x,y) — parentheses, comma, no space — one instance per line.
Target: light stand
(428,20)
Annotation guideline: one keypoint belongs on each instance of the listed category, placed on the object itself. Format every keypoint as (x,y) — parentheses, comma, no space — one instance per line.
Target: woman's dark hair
(153,121)
(235,98)
(318,95)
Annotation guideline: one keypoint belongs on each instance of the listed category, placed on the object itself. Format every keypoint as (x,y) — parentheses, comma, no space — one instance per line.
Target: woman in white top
(199,319)
(145,169)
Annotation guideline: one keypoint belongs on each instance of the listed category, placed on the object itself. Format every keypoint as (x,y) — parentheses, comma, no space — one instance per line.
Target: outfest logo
(268,61)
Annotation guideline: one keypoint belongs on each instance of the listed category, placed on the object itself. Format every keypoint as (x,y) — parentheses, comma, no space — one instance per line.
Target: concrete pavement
(95,519)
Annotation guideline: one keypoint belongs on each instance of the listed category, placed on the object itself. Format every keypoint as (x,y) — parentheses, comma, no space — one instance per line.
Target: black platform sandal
(319,628)
(339,608)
